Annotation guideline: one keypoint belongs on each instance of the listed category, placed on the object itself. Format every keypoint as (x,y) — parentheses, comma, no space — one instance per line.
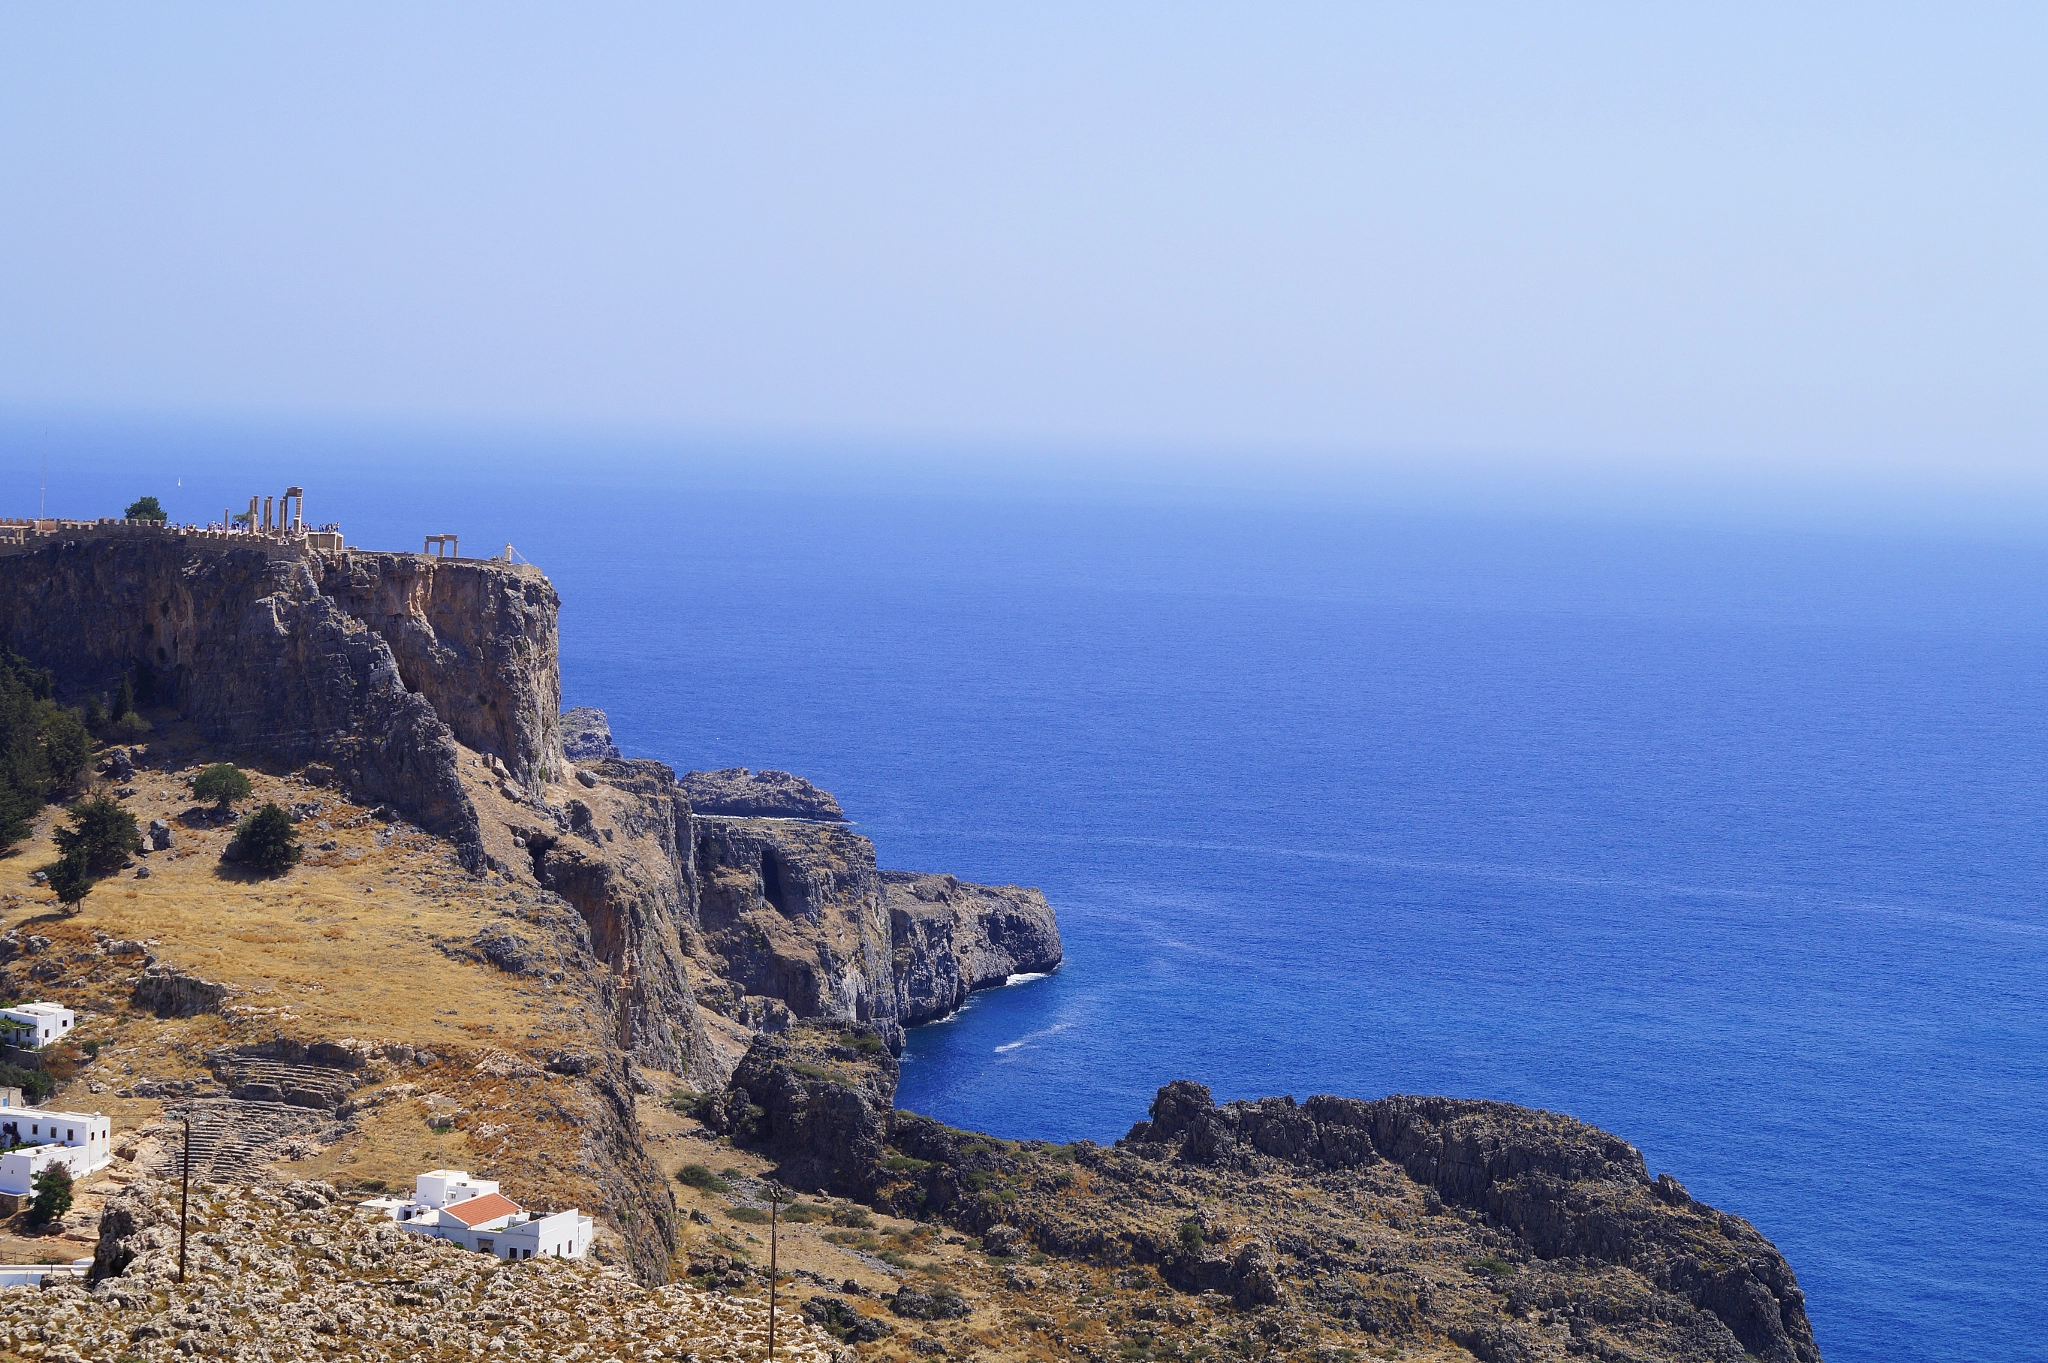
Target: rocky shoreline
(717,958)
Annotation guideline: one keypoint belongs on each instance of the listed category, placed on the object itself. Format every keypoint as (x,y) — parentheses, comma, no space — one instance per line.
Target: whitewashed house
(450,1205)
(34,1138)
(30,1025)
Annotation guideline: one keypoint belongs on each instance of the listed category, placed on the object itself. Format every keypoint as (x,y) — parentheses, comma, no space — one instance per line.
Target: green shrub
(1191,1235)
(819,1072)
(267,839)
(697,1176)
(904,1164)
(803,1213)
(223,783)
(857,1217)
(868,1043)
(1492,1267)
(145,509)
(752,1216)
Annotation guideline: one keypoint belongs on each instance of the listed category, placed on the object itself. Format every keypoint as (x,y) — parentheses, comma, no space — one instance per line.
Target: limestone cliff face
(253,650)
(477,640)
(435,687)
(799,913)
(951,938)
(794,912)
(619,851)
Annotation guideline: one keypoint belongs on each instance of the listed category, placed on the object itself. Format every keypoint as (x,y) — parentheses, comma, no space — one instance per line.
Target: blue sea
(1733,843)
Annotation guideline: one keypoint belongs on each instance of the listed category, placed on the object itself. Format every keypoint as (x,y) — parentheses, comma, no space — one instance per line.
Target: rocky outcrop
(622,857)
(949,938)
(794,912)
(818,1098)
(799,913)
(587,735)
(478,640)
(170,992)
(376,665)
(1566,1190)
(1523,1235)
(737,793)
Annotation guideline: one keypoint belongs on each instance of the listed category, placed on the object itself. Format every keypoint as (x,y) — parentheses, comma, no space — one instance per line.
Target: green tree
(124,699)
(53,1194)
(222,783)
(66,745)
(35,1085)
(267,839)
(95,713)
(71,879)
(24,770)
(145,509)
(102,832)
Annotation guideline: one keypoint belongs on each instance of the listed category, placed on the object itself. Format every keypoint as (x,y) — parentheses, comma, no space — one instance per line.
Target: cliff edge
(1398,1224)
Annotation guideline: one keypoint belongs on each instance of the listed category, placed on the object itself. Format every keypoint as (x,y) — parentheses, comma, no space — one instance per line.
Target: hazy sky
(1774,236)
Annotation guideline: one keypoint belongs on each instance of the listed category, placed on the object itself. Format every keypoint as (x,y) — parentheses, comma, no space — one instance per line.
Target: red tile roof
(477,1210)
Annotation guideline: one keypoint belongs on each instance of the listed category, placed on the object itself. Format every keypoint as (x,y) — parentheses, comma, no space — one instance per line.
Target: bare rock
(587,735)
(818,1098)
(172,993)
(738,793)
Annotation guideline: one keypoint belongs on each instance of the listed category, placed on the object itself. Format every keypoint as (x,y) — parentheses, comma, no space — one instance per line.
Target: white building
(450,1205)
(34,1139)
(34,1024)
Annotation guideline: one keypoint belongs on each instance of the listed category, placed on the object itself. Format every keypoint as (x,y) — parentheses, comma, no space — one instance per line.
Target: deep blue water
(1732,844)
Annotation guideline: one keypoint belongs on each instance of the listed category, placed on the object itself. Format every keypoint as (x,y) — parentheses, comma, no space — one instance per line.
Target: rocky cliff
(380,666)
(799,913)
(1516,1234)
(738,793)
(434,687)
(951,938)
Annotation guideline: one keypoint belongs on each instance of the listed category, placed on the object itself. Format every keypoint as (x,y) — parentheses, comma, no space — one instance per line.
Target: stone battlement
(23,535)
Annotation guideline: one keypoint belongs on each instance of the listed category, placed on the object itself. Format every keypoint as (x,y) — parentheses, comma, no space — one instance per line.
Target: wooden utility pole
(184,1193)
(774,1218)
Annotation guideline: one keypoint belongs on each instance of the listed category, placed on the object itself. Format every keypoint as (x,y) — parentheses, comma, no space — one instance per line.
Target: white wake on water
(1022,1041)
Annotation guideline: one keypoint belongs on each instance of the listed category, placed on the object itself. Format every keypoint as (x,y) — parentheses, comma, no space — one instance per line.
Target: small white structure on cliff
(35,1138)
(35,1024)
(450,1205)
